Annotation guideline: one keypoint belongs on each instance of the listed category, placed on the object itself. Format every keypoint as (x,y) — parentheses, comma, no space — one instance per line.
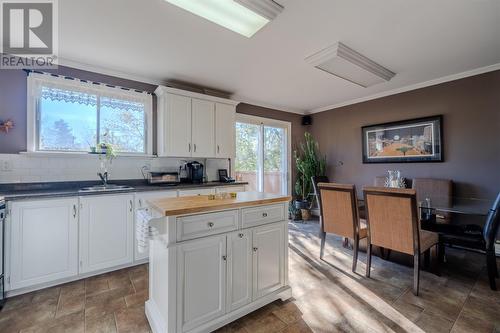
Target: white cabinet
(44,241)
(228,189)
(224,130)
(202,276)
(198,191)
(239,269)
(174,126)
(106,231)
(141,199)
(202,127)
(194,125)
(268,259)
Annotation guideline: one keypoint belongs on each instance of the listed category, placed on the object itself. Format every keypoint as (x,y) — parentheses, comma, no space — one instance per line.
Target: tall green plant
(308,163)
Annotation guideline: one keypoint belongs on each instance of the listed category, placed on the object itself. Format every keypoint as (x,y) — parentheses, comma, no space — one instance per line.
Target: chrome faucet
(104,177)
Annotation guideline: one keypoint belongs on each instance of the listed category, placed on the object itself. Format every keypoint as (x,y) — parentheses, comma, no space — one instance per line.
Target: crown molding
(420,85)
(245,100)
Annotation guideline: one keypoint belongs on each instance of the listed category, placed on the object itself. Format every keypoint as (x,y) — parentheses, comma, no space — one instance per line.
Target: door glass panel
(247,155)
(274,160)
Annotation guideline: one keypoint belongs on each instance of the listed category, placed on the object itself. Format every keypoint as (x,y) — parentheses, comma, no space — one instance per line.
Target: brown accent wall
(296,120)
(471,134)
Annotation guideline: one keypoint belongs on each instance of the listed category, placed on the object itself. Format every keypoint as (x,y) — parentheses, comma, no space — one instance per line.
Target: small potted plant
(309,163)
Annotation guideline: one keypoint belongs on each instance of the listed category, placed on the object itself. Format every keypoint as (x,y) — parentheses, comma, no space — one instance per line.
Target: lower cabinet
(268,259)
(200,191)
(202,281)
(239,269)
(219,274)
(106,231)
(44,241)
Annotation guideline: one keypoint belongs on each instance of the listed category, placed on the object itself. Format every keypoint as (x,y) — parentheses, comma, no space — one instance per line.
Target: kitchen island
(214,261)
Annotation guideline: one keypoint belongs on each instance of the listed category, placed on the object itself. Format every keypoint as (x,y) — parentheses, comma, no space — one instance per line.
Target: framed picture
(415,140)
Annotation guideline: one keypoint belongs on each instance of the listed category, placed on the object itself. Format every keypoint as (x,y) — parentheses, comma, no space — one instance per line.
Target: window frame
(99,89)
(263,122)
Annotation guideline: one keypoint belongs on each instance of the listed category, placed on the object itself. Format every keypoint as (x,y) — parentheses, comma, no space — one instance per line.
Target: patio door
(263,154)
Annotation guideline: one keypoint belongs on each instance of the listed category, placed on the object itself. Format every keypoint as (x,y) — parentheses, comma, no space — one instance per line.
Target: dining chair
(478,238)
(340,216)
(315,180)
(392,221)
(438,191)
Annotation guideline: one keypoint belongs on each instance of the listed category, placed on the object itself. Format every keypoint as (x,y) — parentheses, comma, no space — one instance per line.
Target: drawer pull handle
(210,224)
(255,249)
(264,214)
(224,258)
(240,235)
(74,211)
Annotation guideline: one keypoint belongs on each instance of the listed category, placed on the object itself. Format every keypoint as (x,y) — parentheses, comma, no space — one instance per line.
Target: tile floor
(328,297)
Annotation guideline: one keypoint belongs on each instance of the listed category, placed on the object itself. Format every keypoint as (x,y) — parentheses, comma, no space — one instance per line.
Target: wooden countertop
(201,203)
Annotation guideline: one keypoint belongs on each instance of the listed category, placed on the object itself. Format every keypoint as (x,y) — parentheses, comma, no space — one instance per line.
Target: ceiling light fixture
(350,65)
(245,17)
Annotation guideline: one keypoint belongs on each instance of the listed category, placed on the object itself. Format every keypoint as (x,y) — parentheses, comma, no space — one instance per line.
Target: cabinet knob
(194,146)
(240,235)
(264,214)
(131,205)
(189,147)
(210,224)
(74,211)
(140,202)
(255,249)
(218,149)
(224,258)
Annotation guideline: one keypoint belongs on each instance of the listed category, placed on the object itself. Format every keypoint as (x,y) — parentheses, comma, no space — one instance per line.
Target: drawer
(251,217)
(189,227)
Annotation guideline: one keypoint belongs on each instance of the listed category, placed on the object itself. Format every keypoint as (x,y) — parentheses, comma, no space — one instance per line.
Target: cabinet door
(106,231)
(203,131)
(224,130)
(141,199)
(268,259)
(44,238)
(199,191)
(201,291)
(178,126)
(239,269)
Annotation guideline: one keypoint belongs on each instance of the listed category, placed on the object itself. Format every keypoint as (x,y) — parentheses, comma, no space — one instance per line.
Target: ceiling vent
(350,65)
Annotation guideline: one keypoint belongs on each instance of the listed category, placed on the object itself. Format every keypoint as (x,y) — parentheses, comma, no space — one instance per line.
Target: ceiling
(155,41)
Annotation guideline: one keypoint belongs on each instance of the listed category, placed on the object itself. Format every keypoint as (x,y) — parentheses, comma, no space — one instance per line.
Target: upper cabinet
(194,125)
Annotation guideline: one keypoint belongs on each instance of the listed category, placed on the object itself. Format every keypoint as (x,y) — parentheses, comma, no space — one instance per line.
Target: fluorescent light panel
(245,17)
(344,62)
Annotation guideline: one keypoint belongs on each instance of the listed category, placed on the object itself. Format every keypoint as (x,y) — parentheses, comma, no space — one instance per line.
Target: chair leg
(437,268)
(441,252)
(492,269)
(416,273)
(368,259)
(322,250)
(355,254)
(427,258)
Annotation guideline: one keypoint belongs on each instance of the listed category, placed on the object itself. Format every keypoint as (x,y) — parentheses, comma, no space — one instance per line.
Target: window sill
(80,154)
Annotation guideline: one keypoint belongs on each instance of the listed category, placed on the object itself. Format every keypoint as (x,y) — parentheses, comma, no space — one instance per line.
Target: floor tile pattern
(327,297)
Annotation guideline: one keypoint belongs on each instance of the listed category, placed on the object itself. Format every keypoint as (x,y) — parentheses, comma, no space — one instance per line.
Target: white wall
(23,168)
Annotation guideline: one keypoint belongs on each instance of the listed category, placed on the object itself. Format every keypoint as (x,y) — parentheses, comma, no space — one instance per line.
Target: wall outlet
(6,165)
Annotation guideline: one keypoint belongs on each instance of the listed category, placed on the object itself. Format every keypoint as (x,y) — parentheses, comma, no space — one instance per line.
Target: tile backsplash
(27,168)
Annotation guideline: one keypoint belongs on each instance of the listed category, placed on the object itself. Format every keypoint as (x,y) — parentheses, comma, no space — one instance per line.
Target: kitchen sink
(105,188)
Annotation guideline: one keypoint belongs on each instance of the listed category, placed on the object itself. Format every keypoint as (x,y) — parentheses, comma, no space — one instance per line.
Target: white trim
(256,120)
(106,71)
(160,90)
(420,85)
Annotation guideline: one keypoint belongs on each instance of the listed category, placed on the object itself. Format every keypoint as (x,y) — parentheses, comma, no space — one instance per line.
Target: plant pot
(306,214)
(301,204)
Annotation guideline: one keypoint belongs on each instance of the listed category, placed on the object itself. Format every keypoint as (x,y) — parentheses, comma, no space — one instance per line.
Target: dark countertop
(23,191)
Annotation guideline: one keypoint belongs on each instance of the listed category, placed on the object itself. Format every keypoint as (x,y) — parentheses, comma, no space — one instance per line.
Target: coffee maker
(195,172)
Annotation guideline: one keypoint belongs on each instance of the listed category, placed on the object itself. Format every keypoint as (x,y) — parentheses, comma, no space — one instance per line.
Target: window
(72,116)
(263,154)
